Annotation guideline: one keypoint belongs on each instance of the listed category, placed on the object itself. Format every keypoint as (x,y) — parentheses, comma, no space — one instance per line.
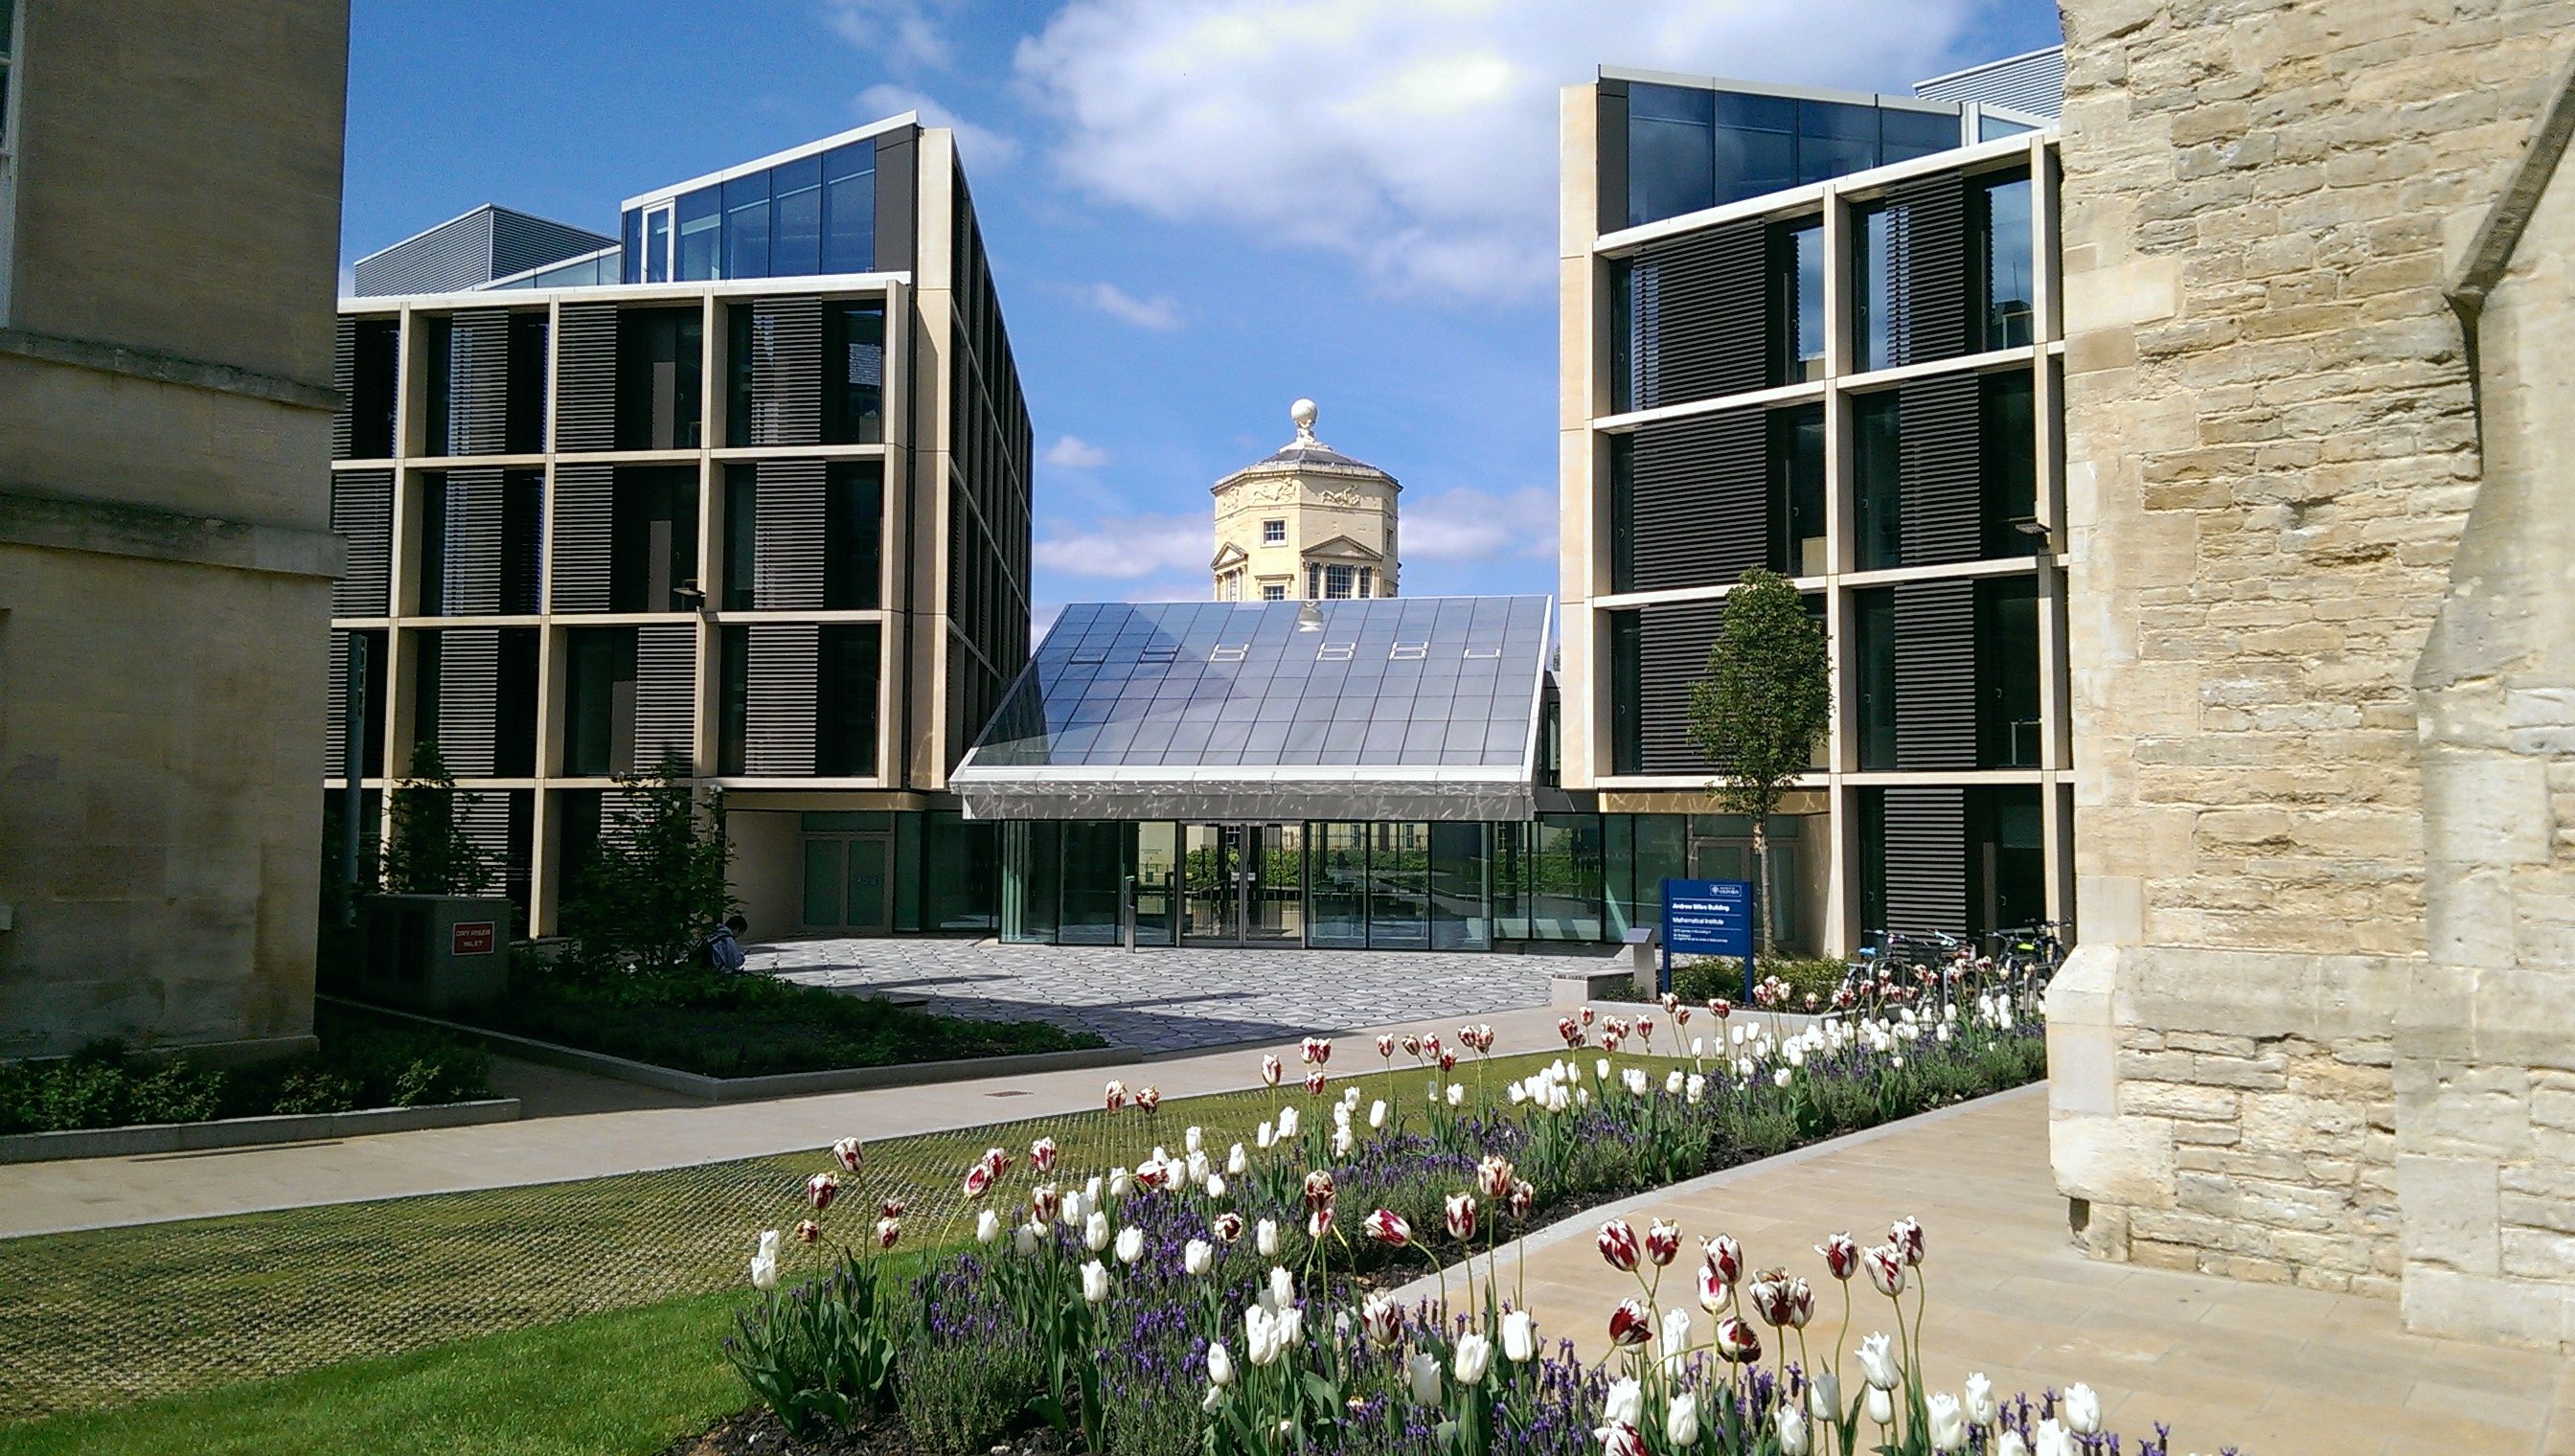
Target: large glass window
(1095,883)
(701,255)
(1876,478)
(1670,160)
(2007,439)
(1797,503)
(746,226)
(653,540)
(2007,674)
(796,218)
(1031,852)
(454,566)
(1835,138)
(371,385)
(657,244)
(853,353)
(1460,888)
(1336,885)
(850,208)
(1906,134)
(1337,582)
(845,727)
(1399,886)
(2006,277)
(1797,301)
(1873,635)
(661,377)
(1756,145)
(598,700)
(1564,877)
(852,547)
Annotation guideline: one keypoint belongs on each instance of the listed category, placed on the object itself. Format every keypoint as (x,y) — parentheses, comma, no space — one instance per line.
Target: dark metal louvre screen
(785,370)
(1926,860)
(787,540)
(1930,266)
(1672,657)
(1935,675)
(478,382)
(777,733)
(470,583)
(362,513)
(585,513)
(1940,480)
(585,377)
(344,383)
(1698,317)
(467,712)
(666,696)
(1696,501)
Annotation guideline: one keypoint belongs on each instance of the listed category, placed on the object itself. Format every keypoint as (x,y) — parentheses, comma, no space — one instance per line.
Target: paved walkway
(2270,1370)
(620,1136)
(1166,1000)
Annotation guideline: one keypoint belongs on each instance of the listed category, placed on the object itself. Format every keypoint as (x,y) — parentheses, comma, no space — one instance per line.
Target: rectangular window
(2007,444)
(2006,278)
(1398,908)
(1273,591)
(660,367)
(1336,581)
(657,244)
(1756,145)
(852,547)
(598,700)
(653,540)
(796,218)
(746,226)
(844,729)
(1797,301)
(1877,334)
(2007,673)
(1336,885)
(1835,138)
(630,252)
(700,223)
(1670,156)
(1313,581)
(1273,533)
(372,384)
(733,700)
(453,545)
(1798,483)
(1906,134)
(1873,634)
(850,208)
(854,355)
(1877,476)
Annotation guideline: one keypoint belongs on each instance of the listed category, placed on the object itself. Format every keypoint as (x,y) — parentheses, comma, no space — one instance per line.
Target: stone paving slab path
(1168,1000)
(2270,1370)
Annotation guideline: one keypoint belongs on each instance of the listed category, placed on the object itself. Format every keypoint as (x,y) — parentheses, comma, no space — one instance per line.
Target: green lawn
(113,1316)
(621,1385)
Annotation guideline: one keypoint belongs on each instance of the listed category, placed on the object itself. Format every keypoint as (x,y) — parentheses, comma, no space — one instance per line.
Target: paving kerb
(53,1197)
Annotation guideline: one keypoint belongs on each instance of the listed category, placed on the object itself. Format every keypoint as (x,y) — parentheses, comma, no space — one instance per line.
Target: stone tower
(1305,524)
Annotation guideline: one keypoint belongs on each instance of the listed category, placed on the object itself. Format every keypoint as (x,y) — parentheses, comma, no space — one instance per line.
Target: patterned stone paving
(1164,1000)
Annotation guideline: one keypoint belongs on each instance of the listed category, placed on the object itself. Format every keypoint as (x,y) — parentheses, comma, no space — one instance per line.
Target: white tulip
(1343,1141)
(1520,1337)
(1266,1136)
(1376,1114)
(1423,1375)
(1948,1423)
(1238,1163)
(1197,1256)
(1090,1192)
(2009,1443)
(1878,1363)
(1283,1289)
(1674,1082)
(1261,1338)
(1095,1233)
(1220,1364)
(1824,1396)
(1095,1281)
(1198,1167)
(1780,1078)
(763,1264)
(987,1227)
(1119,1184)
(1583,1096)
(1216,1185)
(1130,1245)
(1978,1399)
(1601,1069)
(1626,1402)
(1193,1139)
(2082,1410)
(1265,1237)
(1694,1088)
(1680,1422)
(1350,1097)
(1698,1048)
(1634,1079)
(2052,1440)
(1342,1115)
(1792,1432)
(1025,1240)
(1474,1357)
(1881,1406)
(1457,1094)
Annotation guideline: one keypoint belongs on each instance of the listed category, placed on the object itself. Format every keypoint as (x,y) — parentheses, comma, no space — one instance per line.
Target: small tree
(657,877)
(428,851)
(1765,700)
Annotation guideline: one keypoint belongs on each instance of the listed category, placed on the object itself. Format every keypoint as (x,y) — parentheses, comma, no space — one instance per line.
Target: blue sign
(1708,918)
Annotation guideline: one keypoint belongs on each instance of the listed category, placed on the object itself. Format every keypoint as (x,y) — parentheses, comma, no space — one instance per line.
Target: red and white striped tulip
(1316,1050)
(1618,1244)
(1315,1084)
(1841,1256)
(1319,1189)
(1227,1227)
(979,1180)
(1043,1153)
(822,1188)
(890,1208)
(887,1230)
(1725,1256)
(1907,1238)
(1271,1070)
(1387,1228)
(1737,1341)
(1147,1099)
(1461,1217)
(1116,1094)
(850,1153)
(1662,1241)
(1885,1265)
(1493,1177)
(1631,1323)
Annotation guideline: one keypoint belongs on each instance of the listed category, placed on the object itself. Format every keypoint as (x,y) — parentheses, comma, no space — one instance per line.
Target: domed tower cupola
(1306,523)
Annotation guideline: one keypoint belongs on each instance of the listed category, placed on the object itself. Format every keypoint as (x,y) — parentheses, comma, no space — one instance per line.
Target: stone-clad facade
(2318,1028)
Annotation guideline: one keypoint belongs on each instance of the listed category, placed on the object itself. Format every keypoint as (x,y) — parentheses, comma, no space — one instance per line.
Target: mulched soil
(756,1432)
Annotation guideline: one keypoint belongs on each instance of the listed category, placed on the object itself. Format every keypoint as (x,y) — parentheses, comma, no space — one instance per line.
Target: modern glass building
(1825,342)
(745,487)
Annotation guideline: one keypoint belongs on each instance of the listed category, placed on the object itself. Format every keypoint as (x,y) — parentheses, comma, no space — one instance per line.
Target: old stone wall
(2273,451)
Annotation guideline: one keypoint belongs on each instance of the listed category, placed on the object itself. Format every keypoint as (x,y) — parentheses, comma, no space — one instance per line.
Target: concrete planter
(780,1084)
(160,1137)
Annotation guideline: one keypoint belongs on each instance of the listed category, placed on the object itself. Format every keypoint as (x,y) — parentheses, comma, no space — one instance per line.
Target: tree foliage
(1767,699)
(429,850)
(657,880)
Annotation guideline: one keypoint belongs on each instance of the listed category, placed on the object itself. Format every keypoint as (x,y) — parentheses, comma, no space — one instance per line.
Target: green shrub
(1706,978)
(175,1091)
(310,1089)
(86,1092)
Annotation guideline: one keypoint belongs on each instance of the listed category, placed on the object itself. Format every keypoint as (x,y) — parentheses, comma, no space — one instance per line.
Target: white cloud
(1467,524)
(978,146)
(1419,139)
(904,33)
(1071,452)
(1127,549)
(1160,313)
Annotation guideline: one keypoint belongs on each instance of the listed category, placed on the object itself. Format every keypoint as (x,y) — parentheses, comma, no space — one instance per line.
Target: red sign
(473,937)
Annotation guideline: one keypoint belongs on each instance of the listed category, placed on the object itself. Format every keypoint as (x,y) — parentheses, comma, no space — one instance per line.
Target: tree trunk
(1762,886)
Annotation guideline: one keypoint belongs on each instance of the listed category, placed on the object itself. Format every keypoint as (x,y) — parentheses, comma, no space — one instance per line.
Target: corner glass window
(1797,301)
(1991,128)
(701,254)
(1834,139)
(850,208)
(1755,145)
(1671,157)
(796,218)
(1909,134)
(657,244)
(2005,276)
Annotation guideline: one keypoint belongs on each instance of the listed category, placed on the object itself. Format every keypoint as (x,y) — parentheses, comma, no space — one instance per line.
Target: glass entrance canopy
(1420,708)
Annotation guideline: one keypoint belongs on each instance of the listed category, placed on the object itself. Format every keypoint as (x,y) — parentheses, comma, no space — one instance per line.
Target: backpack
(723,952)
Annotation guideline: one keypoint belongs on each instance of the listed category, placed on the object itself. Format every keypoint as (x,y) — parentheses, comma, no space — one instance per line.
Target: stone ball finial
(1303,413)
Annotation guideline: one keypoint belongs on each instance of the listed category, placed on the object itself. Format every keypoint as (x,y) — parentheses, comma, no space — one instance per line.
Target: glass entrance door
(847,885)
(1242,884)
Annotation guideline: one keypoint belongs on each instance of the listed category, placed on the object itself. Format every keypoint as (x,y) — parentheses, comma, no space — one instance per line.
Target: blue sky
(1196,211)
